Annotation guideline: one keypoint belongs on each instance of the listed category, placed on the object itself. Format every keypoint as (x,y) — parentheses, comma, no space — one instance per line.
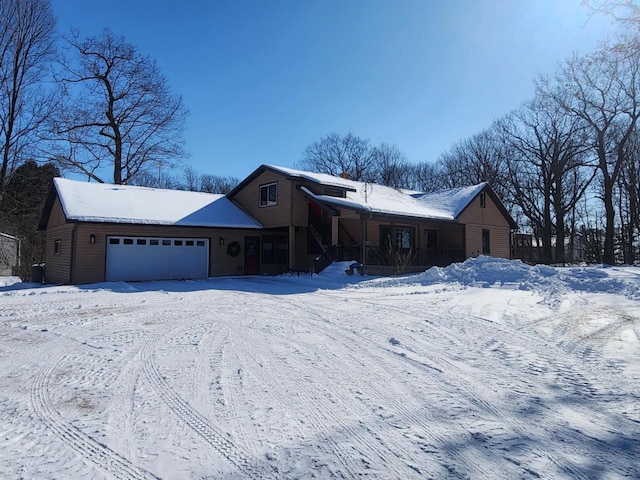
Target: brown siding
(90,259)
(476,219)
(499,241)
(476,215)
(273,216)
(300,212)
(56,218)
(58,267)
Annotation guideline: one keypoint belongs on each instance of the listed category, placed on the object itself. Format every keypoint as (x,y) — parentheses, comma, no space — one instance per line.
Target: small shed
(9,254)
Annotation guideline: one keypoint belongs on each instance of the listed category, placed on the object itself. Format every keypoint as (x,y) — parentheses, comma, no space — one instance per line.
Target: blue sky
(264,79)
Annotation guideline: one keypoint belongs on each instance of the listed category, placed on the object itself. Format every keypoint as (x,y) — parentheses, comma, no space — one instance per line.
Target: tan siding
(490,215)
(491,218)
(273,216)
(56,218)
(499,241)
(373,234)
(300,212)
(57,267)
(91,258)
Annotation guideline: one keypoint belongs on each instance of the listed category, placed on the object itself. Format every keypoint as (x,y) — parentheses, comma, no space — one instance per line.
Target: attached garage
(98,232)
(153,258)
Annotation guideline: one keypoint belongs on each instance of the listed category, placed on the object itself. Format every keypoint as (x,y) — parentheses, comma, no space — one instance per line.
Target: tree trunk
(608,256)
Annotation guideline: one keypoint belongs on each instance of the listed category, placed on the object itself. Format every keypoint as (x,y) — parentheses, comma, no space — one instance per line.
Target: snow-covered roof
(379,199)
(102,202)
(453,200)
(321,178)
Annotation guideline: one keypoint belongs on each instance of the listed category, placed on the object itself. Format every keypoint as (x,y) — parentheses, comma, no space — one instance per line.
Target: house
(9,254)
(276,220)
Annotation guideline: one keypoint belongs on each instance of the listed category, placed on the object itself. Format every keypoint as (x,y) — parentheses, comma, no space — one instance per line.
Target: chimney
(345,175)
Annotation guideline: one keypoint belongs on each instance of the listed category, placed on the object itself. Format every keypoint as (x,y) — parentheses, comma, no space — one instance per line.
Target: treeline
(87,105)
(566,162)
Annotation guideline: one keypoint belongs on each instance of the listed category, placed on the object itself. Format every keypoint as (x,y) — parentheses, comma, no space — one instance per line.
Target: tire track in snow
(101,455)
(215,437)
(346,344)
(572,377)
(272,374)
(211,354)
(468,390)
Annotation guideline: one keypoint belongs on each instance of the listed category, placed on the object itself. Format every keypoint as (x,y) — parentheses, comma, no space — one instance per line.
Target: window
(141,241)
(189,243)
(166,242)
(486,242)
(275,250)
(154,242)
(268,194)
(57,247)
(128,241)
(432,238)
(178,243)
(200,243)
(483,200)
(114,241)
(402,238)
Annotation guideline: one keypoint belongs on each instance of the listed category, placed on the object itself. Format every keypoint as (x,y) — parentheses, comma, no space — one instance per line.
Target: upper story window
(268,194)
(483,200)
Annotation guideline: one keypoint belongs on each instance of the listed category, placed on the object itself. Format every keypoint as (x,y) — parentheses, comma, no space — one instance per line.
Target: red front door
(251,255)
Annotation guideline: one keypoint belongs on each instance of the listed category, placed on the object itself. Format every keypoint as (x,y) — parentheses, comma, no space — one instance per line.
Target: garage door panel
(152,258)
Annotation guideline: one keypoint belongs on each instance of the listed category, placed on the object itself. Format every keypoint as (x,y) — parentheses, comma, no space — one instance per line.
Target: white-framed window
(268,194)
(401,239)
(483,200)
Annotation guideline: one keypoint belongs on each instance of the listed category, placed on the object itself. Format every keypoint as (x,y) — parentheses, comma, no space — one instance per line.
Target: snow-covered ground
(487,369)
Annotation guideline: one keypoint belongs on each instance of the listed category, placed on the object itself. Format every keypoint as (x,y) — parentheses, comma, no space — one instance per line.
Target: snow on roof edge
(129,204)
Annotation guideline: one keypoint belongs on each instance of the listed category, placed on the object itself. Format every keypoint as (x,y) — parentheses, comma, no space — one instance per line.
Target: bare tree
(480,158)
(629,199)
(548,152)
(196,182)
(336,155)
(27,39)
(217,183)
(602,90)
(120,118)
(426,177)
(625,11)
(391,167)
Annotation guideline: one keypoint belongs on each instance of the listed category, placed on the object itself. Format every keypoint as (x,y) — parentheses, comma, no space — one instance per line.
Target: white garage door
(154,258)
